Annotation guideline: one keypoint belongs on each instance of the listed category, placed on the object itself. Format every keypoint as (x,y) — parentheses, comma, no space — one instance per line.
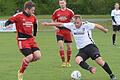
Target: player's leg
(69,51)
(106,67)
(60,43)
(68,40)
(35,50)
(26,51)
(115,28)
(25,62)
(95,55)
(80,59)
(36,55)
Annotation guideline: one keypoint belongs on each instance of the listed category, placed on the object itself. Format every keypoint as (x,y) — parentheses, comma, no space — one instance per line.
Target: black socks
(113,38)
(107,68)
(84,65)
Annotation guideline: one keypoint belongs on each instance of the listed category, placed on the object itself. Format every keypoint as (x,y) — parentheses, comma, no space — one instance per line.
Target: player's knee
(78,59)
(61,47)
(100,61)
(69,47)
(61,44)
(29,58)
(37,55)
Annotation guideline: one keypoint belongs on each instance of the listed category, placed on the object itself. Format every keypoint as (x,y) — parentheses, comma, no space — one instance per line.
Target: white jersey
(82,35)
(116,14)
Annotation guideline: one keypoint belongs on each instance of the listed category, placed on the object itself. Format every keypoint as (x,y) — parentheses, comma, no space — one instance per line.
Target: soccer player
(81,32)
(63,35)
(26,21)
(115,22)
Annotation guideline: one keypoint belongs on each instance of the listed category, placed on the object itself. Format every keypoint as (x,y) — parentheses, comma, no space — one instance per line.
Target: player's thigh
(36,50)
(100,61)
(60,38)
(82,54)
(24,47)
(115,28)
(59,35)
(93,51)
(26,51)
(60,41)
(67,36)
(119,28)
(69,45)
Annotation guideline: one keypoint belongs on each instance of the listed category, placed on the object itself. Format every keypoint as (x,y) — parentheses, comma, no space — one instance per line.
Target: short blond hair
(62,0)
(29,4)
(77,16)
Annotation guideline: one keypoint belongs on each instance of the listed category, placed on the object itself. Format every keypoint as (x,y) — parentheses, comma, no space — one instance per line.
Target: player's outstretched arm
(101,28)
(58,24)
(8,23)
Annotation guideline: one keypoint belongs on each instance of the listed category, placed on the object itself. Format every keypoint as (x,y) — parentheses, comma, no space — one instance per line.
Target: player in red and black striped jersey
(63,35)
(26,26)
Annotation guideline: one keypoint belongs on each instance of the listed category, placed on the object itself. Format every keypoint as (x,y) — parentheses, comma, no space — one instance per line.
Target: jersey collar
(26,14)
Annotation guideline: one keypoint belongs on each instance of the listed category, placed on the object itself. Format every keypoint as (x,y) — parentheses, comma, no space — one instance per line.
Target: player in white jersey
(115,21)
(85,44)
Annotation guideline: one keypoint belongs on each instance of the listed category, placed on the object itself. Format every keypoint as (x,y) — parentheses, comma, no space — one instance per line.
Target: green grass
(48,68)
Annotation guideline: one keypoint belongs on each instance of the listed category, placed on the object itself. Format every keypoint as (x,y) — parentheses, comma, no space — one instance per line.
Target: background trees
(8,7)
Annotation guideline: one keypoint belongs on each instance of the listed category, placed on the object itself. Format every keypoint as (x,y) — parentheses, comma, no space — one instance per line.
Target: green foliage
(8,7)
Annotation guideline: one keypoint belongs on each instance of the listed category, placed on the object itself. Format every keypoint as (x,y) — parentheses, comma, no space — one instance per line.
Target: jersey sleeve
(35,27)
(68,25)
(72,14)
(13,18)
(112,13)
(89,26)
(54,16)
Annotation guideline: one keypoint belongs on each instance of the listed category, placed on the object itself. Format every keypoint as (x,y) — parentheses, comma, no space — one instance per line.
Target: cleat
(20,76)
(92,70)
(112,76)
(63,64)
(114,44)
(68,64)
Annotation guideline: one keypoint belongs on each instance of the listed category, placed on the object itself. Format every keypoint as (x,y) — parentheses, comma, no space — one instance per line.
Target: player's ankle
(92,70)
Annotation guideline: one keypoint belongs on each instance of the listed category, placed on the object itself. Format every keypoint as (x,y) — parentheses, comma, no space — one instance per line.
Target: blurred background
(9,7)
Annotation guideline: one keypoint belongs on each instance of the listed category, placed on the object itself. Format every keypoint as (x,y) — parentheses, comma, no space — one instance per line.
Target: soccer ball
(76,75)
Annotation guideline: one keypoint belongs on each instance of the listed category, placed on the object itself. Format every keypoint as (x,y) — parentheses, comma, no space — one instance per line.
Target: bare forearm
(101,28)
(52,24)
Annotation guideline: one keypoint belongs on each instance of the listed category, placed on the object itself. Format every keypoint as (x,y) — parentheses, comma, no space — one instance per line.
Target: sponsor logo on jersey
(28,24)
(62,18)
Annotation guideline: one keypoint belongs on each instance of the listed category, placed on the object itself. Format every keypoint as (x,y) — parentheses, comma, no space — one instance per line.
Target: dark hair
(29,5)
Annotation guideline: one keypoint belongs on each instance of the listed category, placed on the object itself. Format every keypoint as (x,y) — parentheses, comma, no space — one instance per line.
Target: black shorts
(28,51)
(116,28)
(62,38)
(89,51)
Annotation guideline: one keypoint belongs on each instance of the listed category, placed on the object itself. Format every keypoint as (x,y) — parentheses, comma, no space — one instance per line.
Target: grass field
(48,68)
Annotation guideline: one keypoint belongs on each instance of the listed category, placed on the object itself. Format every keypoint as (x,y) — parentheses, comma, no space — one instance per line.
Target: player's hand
(44,23)
(105,30)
